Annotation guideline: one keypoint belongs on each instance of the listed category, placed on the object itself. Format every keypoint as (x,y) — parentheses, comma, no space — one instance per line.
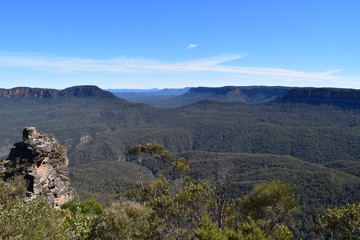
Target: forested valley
(297,157)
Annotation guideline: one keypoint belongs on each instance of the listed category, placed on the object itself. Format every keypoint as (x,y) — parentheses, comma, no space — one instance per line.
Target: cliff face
(85,91)
(28,92)
(44,164)
(334,96)
(78,91)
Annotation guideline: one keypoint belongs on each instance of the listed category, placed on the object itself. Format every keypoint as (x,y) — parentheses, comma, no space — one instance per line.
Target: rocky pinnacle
(44,164)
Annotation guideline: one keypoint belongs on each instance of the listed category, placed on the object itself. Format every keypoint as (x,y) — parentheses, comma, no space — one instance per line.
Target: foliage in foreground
(189,209)
(341,223)
(200,209)
(197,210)
(39,220)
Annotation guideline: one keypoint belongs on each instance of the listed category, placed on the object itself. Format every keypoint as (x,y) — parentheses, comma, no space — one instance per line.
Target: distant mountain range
(168,98)
(228,94)
(150,92)
(154,97)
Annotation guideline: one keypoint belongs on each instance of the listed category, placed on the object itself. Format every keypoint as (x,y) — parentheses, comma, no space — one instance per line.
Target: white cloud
(192,45)
(140,65)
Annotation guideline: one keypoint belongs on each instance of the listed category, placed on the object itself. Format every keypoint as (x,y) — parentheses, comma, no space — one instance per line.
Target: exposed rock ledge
(77,91)
(44,164)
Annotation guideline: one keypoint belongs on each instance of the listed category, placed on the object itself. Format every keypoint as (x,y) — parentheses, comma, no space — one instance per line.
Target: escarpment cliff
(44,164)
(77,91)
(334,96)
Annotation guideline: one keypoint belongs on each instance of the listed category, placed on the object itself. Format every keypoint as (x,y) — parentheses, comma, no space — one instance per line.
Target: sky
(142,44)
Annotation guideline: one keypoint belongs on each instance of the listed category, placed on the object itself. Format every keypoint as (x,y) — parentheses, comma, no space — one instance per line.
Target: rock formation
(348,98)
(77,91)
(44,164)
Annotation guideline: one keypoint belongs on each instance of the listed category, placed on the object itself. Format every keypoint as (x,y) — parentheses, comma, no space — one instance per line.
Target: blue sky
(179,43)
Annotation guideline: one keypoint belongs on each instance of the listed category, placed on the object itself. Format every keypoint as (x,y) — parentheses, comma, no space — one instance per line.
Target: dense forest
(312,147)
(182,208)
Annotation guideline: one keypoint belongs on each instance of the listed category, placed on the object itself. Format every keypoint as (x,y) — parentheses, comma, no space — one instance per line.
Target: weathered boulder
(44,164)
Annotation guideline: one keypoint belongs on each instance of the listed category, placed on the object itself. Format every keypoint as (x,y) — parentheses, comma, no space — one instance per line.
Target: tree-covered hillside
(315,148)
(102,128)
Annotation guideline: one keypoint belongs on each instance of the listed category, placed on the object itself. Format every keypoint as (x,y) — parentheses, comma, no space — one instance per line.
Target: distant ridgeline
(333,96)
(77,91)
(250,94)
(262,94)
(245,94)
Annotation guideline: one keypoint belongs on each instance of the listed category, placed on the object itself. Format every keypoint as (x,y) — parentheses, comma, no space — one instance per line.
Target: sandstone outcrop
(348,98)
(77,91)
(44,164)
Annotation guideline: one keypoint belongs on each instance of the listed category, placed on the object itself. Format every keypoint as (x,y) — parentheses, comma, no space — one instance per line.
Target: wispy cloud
(140,65)
(192,45)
